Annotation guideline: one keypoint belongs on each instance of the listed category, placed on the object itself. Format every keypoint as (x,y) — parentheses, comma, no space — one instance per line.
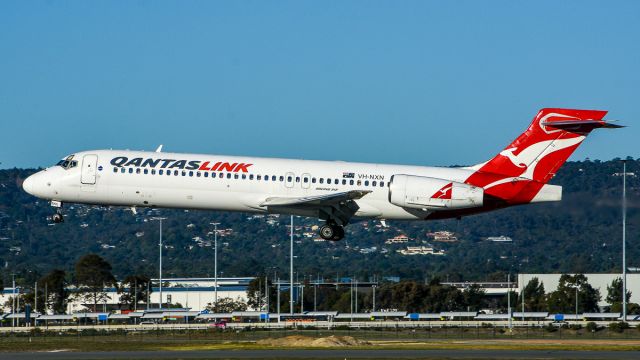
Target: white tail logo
(509,154)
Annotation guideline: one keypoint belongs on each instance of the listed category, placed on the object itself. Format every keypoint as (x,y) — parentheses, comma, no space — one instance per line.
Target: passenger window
(359,182)
(115,170)
(381,183)
(213,175)
(281,178)
(160,172)
(138,171)
(190,173)
(228,175)
(297,178)
(146,171)
(235,176)
(350,182)
(184,173)
(266,178)
(175,172)
(206,174)
(366,183)
(244,177)
(198,174)
(251,177)
(321,180)
(328,181)
(336,181)
(306,180)
(374,183)
(122,170)
(273,178)
(313,180)
(130,170)
(153,171)
(344,182)
(289,179)
(259,177)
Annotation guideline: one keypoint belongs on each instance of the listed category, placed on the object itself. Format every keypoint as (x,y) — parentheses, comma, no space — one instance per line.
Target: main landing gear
(332,231)
(57,217)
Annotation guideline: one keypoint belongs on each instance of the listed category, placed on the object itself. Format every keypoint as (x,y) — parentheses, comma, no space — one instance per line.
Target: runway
(326,354)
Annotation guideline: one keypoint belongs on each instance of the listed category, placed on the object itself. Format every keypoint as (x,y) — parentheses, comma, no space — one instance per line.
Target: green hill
(580,234)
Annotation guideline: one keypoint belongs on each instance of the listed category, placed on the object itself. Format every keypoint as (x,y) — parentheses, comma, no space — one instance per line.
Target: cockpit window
(67,163)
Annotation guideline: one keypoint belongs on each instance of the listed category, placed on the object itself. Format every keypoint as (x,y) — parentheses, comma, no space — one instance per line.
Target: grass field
(453,338)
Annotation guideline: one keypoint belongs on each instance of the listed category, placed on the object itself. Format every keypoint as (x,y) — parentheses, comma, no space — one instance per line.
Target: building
(420,250)
(193,293)
(443,236)
(501,238)
(399,239)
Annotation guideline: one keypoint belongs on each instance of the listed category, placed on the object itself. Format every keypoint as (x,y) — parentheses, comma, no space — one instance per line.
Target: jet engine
(426,193)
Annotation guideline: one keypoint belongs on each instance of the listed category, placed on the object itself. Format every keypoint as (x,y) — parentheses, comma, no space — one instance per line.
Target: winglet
(159,149)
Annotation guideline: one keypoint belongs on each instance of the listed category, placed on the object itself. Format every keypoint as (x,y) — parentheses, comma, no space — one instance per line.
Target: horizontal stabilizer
(581,125)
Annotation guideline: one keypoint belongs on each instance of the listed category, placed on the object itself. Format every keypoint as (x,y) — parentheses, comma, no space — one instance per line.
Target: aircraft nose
(27,184)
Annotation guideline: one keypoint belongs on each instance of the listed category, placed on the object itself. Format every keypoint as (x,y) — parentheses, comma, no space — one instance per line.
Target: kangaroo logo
(444,192)
(509,154)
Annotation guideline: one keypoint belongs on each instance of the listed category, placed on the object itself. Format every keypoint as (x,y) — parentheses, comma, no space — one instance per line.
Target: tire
(339,233)
(57,218)
(327,232)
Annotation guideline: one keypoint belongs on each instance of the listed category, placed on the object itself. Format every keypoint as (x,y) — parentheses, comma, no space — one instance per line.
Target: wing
(339,207)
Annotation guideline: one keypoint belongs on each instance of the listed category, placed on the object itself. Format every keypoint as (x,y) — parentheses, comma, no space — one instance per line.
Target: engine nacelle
(420,192)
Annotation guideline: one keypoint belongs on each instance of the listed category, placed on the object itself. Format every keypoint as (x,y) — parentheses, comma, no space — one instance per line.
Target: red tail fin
(518,172)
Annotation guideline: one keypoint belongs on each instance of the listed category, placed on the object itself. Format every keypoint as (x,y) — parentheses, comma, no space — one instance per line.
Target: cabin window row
(280,178)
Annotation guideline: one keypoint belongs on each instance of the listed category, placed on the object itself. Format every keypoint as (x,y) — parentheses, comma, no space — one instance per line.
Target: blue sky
(425,82)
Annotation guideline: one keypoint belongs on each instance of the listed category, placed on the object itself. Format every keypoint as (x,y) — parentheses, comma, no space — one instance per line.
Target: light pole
(521,278)
(160,263)
(215,265)
(576,302)
(509,300)
(624,242)
(374,299)
(13,301)
(278,299)
(291,270)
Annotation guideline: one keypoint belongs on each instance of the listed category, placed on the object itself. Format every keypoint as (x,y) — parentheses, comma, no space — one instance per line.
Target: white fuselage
(110,177)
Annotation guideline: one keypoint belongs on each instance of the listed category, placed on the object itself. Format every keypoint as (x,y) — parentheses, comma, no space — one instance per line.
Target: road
(326,354)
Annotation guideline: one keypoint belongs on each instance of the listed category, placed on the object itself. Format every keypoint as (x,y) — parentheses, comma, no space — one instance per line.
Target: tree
(534,296)
(563,300)
(53,289)
(614,298)
(474,297)
(256,297)
(614,292)
(93,273)
(227,305)
(134,289)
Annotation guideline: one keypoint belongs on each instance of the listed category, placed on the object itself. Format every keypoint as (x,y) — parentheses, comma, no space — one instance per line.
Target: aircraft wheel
(327,232)
(339,233)
(57,218)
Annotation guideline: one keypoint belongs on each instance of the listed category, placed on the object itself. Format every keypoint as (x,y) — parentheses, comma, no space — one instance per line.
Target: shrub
(592,327)
(550,328)
(619,326)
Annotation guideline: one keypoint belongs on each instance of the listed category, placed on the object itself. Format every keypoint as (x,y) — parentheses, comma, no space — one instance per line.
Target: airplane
(334,191)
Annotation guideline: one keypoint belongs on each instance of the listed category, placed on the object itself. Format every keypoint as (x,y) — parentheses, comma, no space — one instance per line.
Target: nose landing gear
(332,231)
(57,217)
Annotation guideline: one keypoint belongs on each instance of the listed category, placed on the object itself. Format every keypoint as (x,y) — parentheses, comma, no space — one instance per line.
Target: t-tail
(519,174)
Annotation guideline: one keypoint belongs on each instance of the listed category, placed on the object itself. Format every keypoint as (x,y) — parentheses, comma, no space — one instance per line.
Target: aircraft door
(306,181)
(89,169)
(288,179)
